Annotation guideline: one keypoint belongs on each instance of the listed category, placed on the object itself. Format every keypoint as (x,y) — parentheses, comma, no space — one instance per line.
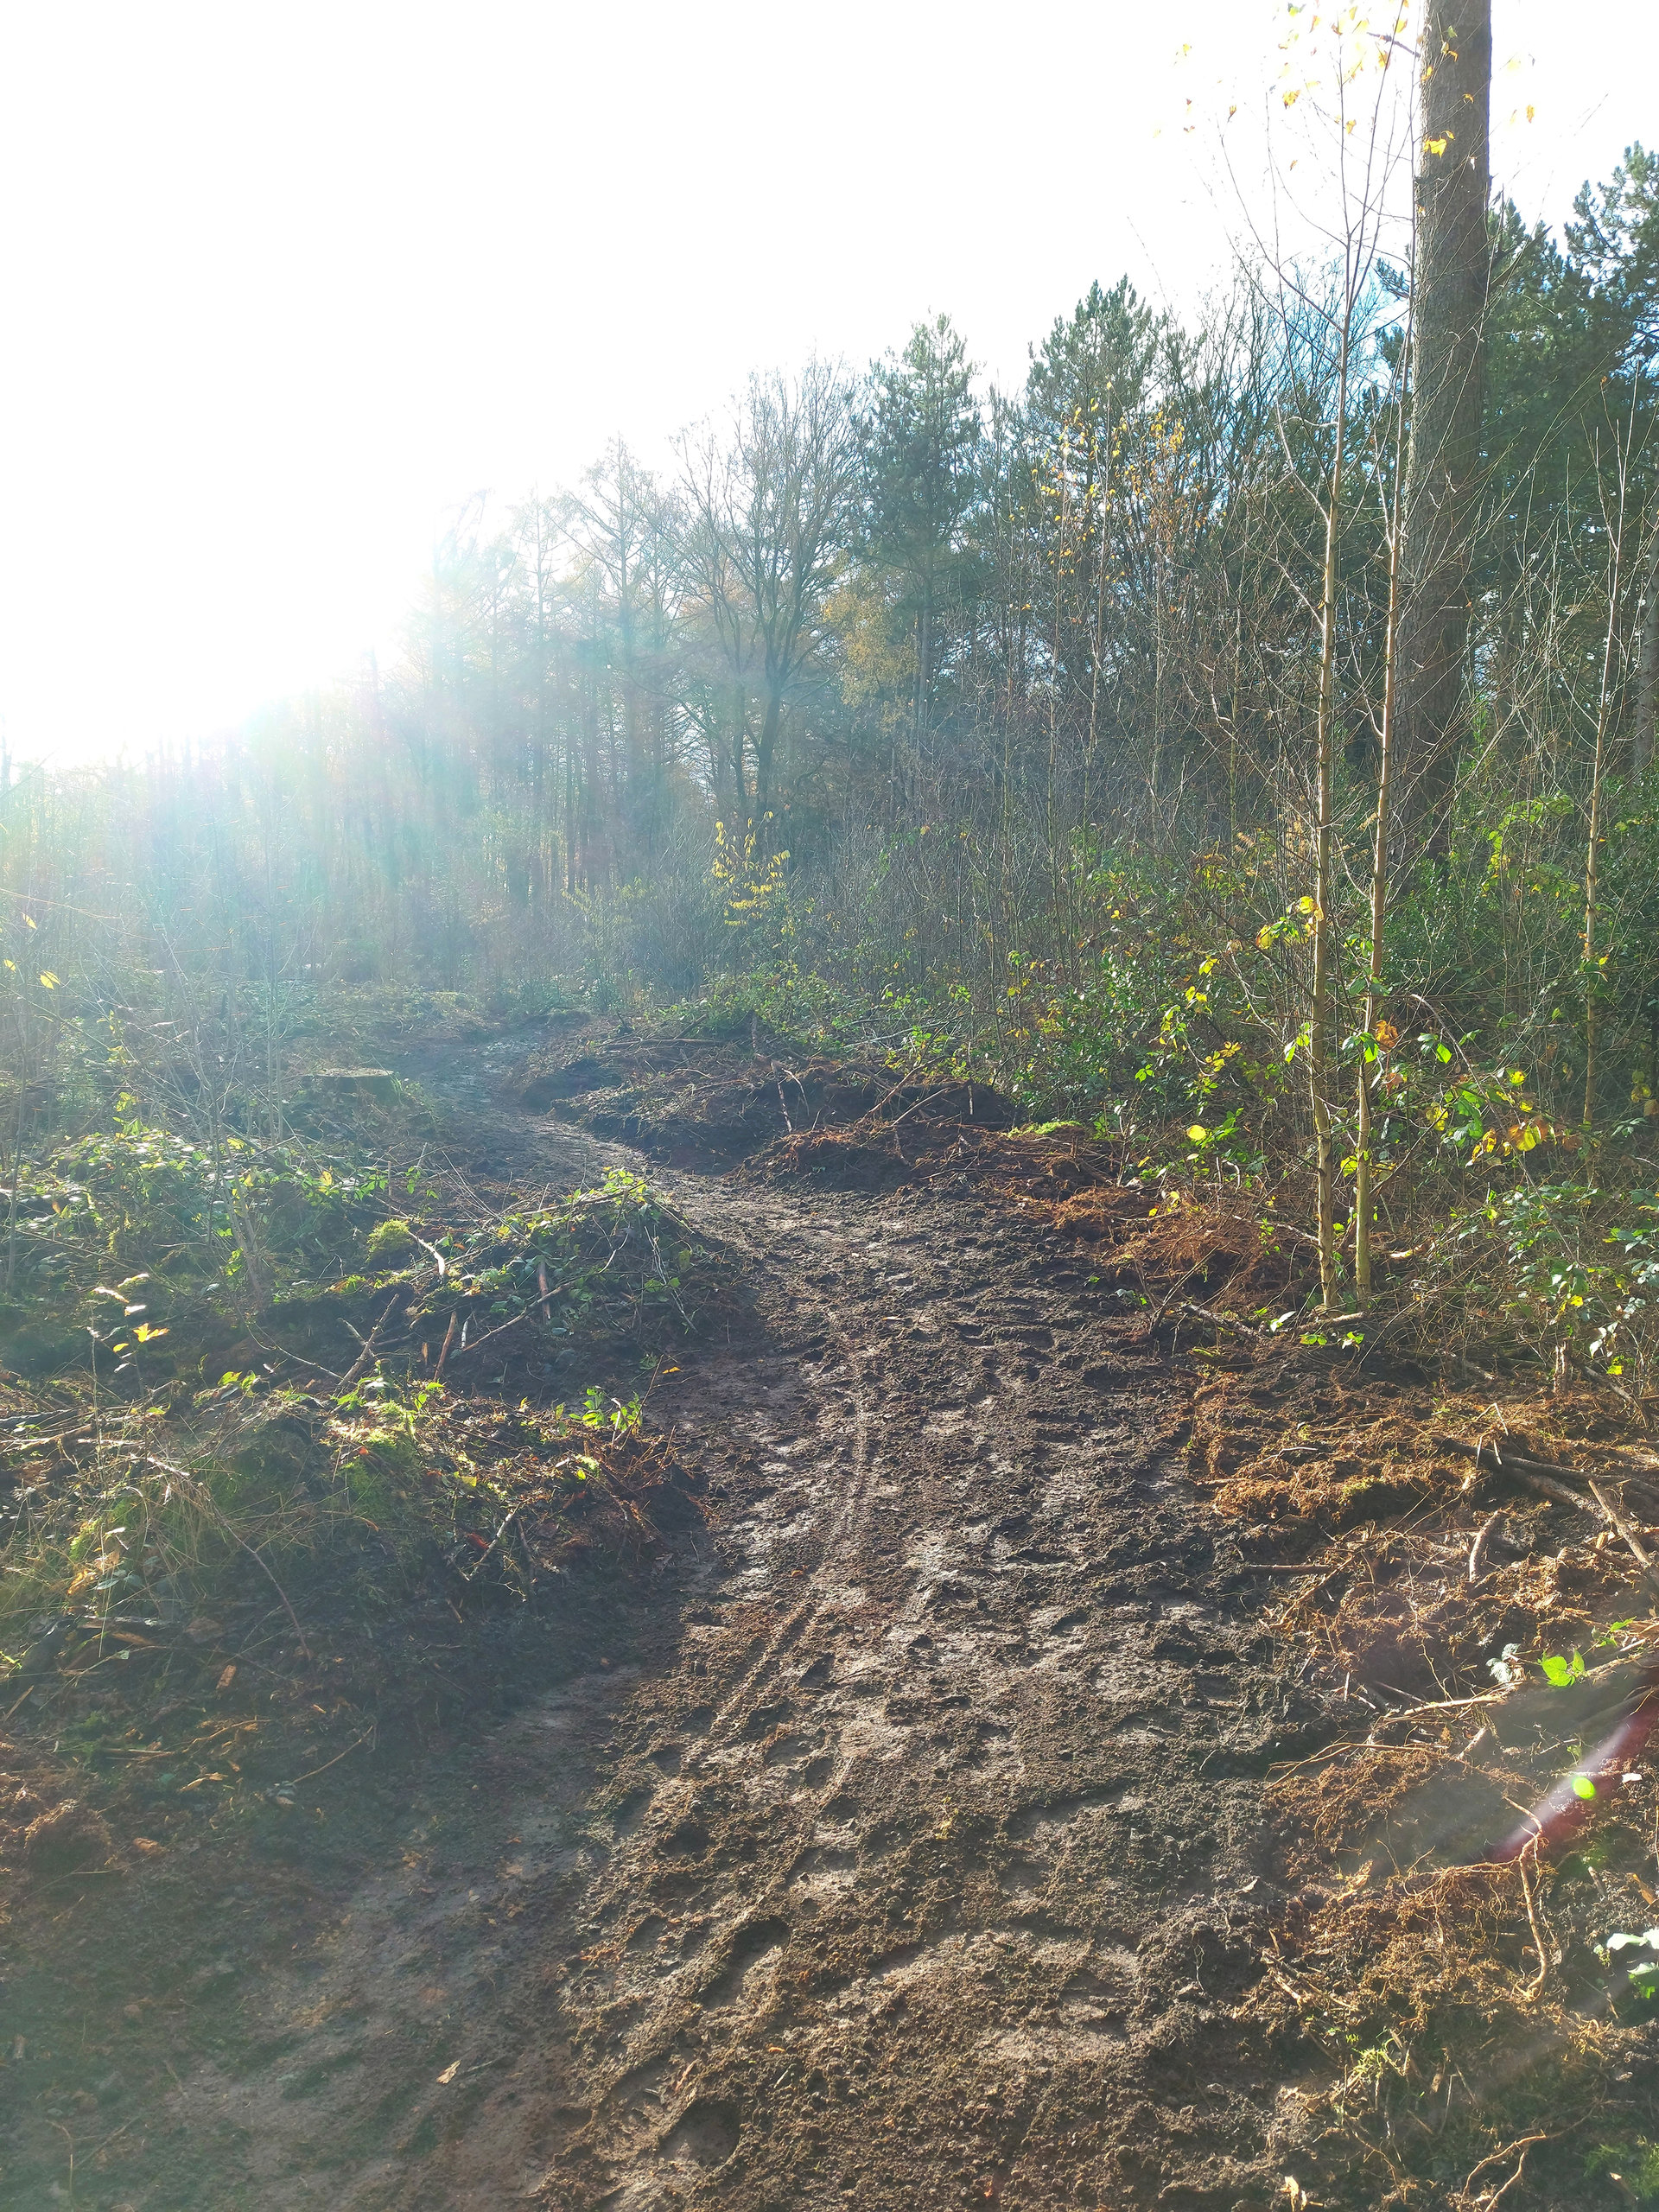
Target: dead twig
(478,1565)
(1536,1988)
(369,1343)
(312,1773)
(1538,1475)
(442,1265)
(1523,2144)
(1443,1705)
(1478,1549)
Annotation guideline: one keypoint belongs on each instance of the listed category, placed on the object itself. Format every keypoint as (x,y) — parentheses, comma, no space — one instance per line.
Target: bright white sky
(283,284)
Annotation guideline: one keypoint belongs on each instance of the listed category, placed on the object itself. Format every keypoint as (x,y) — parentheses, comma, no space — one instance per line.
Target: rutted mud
(926,1863)
(933,1871)
(917,1857)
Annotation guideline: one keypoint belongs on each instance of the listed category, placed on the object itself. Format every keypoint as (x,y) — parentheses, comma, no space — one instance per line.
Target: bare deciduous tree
(766,510)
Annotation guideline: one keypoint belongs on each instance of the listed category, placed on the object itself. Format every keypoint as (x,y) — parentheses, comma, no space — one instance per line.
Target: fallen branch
(1508,1462)
(1220,1320)
(1538,1475)
(1627,1529)
(478,1343)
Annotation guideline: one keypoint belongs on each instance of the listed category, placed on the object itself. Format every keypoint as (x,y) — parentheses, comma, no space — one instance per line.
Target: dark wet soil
(900,1840)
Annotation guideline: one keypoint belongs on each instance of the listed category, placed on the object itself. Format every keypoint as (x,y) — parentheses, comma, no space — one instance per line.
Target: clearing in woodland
(959,1797)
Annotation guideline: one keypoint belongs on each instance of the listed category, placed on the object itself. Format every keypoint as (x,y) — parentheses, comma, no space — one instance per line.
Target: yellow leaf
(1437,146)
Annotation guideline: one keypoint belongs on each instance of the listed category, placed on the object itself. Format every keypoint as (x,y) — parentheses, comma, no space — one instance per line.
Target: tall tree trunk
(1647,674)
(1321,1056)
(1447,379)
(765,748)
(1372,1055)
(924,672)
(1592,960)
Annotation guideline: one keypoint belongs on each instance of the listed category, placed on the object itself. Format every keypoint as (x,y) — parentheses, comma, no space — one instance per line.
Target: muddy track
(914,1854)
(925,1863)
(932,1870)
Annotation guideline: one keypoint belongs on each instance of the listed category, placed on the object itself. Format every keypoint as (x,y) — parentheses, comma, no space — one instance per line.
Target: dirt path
(914,1857)
(930,1862)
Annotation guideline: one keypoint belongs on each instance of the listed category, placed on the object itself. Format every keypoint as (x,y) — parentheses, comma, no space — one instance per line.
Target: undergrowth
(273,1410)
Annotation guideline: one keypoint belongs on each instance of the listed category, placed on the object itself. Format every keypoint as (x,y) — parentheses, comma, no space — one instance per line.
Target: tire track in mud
(932,1868)
(913,1856)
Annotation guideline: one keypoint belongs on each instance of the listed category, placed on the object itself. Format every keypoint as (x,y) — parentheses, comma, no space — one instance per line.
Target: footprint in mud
(994,1745)
(628,1815)
(752,1948)
(1104,1990)
(1049,1823)
(686,1837)
(704,2135)
(1023,1877)
(789,1749)
(823,1871)
(765,1719)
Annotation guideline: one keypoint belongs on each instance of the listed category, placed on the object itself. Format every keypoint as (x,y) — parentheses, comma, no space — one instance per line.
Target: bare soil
(901,1834)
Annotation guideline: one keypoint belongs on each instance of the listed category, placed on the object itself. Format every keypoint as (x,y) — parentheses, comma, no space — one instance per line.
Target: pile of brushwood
(297,1440)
